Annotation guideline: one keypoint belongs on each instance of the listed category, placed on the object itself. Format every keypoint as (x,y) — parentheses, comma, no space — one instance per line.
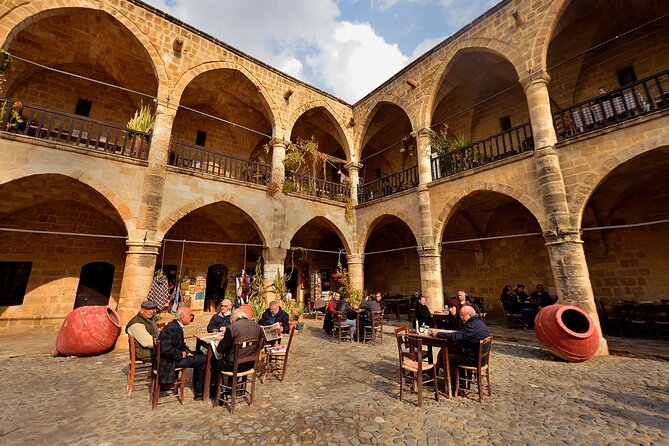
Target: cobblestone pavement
(345,394)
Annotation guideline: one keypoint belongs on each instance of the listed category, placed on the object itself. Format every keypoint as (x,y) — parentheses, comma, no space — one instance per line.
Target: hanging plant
(5,61)
(142,121)
(305,152)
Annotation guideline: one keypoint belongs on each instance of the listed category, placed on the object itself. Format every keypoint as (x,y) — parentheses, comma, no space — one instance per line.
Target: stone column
(140,264)
(274,259)
(356,271)
(353,169)
(278,154)
(568,263)
(154,177)
(423,150)
(430,276)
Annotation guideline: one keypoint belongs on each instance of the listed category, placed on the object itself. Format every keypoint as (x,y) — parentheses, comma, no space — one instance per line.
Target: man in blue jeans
(346,309)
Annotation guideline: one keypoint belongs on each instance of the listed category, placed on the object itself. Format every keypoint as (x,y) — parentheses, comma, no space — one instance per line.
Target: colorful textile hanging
(159,292)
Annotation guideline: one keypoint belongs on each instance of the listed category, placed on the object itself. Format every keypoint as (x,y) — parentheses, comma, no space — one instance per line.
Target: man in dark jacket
(174,353)
(473,330)
(241,329)
(222,318)
(144,329)
(275,314)
(370,305)
(423,315)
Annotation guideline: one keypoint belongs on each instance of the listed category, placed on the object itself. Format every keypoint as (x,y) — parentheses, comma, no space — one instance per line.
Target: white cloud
(425,46)
(348,60)
(355,60)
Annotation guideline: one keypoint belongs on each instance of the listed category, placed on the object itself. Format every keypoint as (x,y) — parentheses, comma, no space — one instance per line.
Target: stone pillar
(273,262)
(430,276)
(353,169)
(154,177)
(568,263)
(278,154)
(423,150)
(356,271)
(140,264)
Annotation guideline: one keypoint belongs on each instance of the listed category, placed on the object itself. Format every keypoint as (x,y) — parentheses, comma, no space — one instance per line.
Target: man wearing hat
(144,329)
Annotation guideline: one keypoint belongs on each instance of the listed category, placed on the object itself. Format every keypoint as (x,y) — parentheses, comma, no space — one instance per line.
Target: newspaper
(271,332)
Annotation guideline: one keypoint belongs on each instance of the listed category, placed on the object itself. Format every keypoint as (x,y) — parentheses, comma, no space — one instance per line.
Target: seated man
(222,318)
(423,315)
(241,329)
(473,330)
(275,314)
(370,304)
(174,353)
(346,309)
(469,301)
(541,297)
(145,330)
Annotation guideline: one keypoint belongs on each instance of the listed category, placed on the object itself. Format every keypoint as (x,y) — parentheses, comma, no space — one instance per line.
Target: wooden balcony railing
(389,185)
(315,187)
(71,129)
(636,99)
(502,145)
(201,160)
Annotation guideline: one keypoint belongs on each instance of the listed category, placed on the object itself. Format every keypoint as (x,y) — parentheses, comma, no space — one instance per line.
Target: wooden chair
(177,386)
(607,322)
(339,330)
(246,352)
(374,331)
(513,320)
(277,361)
(474,374)
(414,373)
(139,372)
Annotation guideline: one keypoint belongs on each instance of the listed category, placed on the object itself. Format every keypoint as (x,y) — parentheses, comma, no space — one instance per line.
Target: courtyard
(345,394)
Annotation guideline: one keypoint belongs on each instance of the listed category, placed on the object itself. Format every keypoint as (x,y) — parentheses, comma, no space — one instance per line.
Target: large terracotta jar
(88,331)
(567,332)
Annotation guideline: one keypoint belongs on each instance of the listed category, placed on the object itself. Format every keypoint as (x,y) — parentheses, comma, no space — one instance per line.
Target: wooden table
(397,302)
(203,340)
(443,344)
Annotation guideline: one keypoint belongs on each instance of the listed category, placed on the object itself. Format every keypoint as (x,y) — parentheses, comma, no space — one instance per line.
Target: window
(83,107)
(505,123)
(13,282)
(377,172)
(201,138)
(626,76)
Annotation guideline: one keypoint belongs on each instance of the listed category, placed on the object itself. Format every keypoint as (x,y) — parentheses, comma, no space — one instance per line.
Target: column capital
(424,132)
(279,142)
(535,77)
(355,258)
(150,247)
(561,237)
(353,165)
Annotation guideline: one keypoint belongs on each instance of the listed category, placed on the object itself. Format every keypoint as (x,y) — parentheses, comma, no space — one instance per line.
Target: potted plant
(299,310)
(139,127)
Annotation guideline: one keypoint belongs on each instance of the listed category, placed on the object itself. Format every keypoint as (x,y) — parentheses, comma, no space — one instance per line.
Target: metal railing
(636,99)
(389,185)
(315,187)
(502,145)
(42,123)
(201,160)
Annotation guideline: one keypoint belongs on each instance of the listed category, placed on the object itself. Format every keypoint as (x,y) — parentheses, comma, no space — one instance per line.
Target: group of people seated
(341,303)
(516,301)
(451,319)
(174,353)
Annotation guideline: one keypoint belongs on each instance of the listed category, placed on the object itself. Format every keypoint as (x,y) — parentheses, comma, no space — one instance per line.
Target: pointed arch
(379,102)
(340,123)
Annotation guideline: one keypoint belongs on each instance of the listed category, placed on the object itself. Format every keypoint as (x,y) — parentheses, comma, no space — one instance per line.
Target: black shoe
(163,393)
(198,397)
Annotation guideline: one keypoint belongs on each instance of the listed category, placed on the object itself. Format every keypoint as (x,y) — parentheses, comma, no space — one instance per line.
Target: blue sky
(345,47)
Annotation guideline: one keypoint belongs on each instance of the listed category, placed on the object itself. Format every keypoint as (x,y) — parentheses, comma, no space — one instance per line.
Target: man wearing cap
(222,318)
(144,330)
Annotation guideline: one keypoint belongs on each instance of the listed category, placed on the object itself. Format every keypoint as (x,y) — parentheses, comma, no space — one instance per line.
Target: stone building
(549,181)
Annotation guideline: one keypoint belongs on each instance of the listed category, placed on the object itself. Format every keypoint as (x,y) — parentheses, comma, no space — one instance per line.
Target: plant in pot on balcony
(304,155)
(138,127)
(5,63)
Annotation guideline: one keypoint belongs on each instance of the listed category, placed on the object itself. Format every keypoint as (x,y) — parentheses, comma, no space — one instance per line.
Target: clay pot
(248,309)
(88,331)
(567,332)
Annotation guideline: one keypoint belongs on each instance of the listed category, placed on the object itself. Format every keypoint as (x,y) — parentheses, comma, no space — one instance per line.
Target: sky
(344,47)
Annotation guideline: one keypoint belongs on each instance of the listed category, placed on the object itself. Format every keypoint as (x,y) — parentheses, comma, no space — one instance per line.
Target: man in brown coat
(241,329)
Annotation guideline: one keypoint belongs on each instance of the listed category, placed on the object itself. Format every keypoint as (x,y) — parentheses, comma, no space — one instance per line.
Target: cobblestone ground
(345,394)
